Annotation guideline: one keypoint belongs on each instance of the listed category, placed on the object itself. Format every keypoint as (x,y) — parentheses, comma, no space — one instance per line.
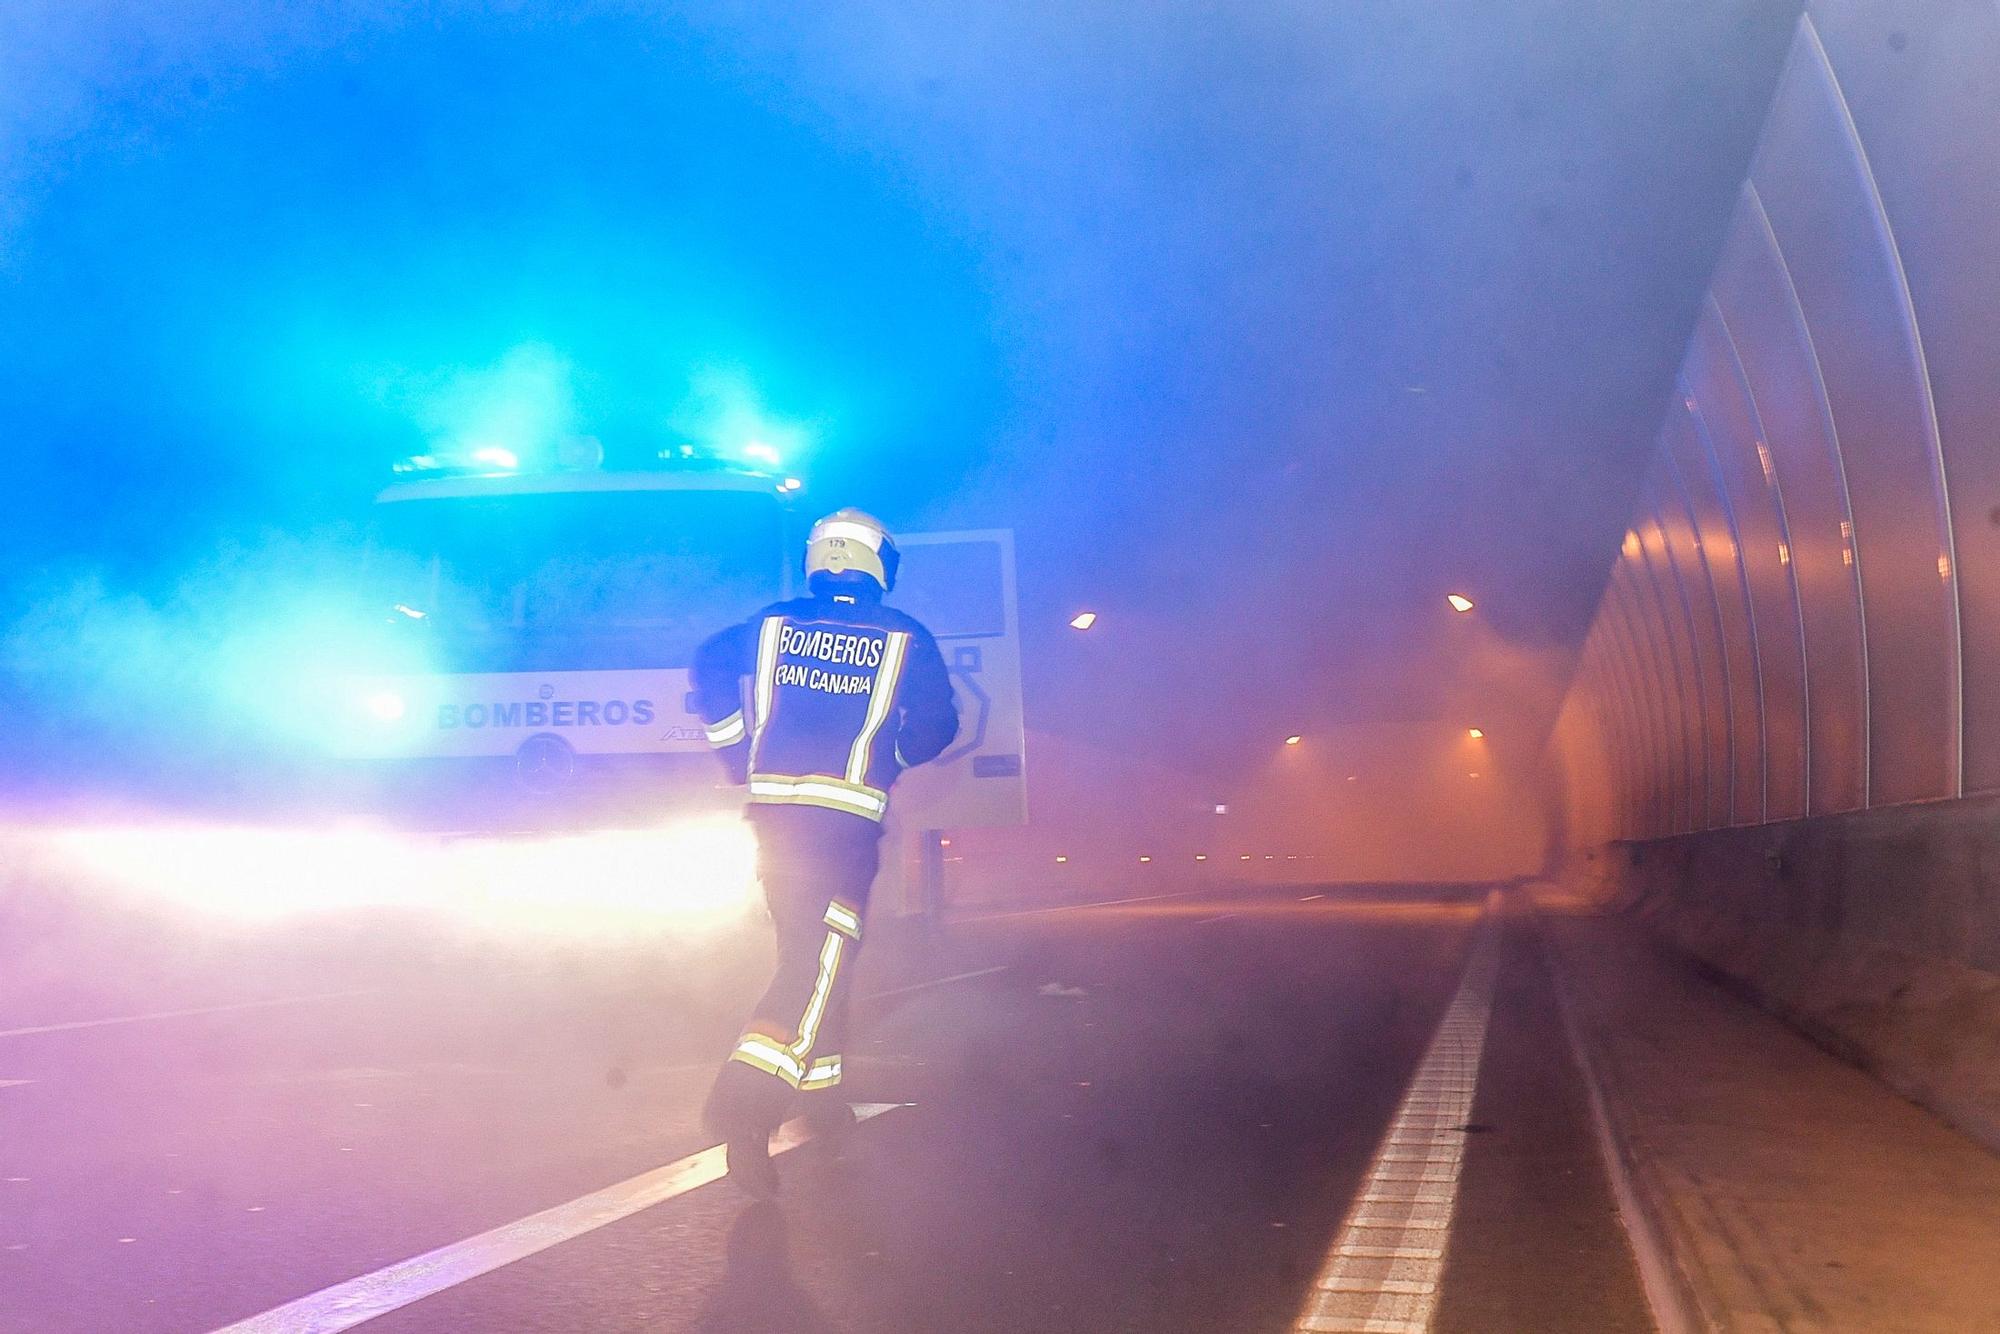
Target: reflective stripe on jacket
(843,696)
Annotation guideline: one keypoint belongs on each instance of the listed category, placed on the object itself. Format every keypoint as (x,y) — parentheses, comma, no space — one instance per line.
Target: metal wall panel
(1606,730)
(1668,796)
(1922,81)
(1638,735)
(1590,765)
(1626,741)
(1670,610)
(1586,738)
(1616,746)
(1652,781)
(1684,557)
(1755,499)
(1682,439)
(1781,371)
(1638,758)
(1817,189)
(1806,616)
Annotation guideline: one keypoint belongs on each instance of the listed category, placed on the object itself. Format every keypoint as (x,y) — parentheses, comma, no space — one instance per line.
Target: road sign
(961,586)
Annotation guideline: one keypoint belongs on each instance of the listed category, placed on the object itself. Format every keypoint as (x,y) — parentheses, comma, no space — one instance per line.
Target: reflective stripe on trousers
(793,1061)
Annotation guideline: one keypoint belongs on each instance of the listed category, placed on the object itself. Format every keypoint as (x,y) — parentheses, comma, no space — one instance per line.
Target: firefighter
(843,694)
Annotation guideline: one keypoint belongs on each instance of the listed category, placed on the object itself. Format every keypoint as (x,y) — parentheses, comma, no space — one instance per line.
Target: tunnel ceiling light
(1474,733)
(1201,856)
(1061,860)
(1293,740)
(1459,602)
(1145,859)
(1083,620)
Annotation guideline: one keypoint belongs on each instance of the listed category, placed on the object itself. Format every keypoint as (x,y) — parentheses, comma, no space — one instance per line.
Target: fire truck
(541,622)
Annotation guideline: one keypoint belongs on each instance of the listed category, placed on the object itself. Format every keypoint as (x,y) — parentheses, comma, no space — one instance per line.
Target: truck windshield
(577,581)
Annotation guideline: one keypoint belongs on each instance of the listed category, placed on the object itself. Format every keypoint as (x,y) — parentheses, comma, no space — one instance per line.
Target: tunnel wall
(1782,741)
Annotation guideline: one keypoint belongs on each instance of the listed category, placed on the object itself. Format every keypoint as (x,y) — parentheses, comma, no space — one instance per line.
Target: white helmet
(851,540)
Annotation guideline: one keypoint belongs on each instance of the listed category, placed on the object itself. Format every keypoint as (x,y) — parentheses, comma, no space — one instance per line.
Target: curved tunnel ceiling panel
(1736,627)
(1929,115)
(1818,189)
(1639,779)
(1682,550)
(1653,670)
(1754,499)
(1754,295)
(1668,603)
(1805,617)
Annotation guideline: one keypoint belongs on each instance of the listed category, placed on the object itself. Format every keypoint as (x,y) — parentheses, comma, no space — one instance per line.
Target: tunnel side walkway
(1776,1187)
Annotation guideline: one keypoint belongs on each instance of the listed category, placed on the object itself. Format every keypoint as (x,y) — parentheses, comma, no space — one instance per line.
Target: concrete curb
(1670,1292)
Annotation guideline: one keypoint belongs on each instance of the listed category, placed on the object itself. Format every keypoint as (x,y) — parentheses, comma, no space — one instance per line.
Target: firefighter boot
(736,1113)
(748,1154)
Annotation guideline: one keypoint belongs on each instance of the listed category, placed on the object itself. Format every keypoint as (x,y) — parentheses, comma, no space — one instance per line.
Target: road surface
(1219,1112)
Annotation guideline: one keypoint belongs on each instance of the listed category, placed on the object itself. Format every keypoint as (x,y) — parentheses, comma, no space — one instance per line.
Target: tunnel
(790,670)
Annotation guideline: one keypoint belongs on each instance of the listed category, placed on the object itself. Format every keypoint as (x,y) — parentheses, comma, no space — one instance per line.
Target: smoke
(230,665)
(723,412)
(524,403)
(135,914)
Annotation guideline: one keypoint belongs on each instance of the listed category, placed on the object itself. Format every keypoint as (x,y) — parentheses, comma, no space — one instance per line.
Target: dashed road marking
(14,1083)
(940,981)
(1310,897)
(75,1024)
(348,1304)
(1219,917)
(1382,1274)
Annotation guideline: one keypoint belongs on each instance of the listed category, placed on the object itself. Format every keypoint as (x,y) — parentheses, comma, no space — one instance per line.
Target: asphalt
(1151,1115)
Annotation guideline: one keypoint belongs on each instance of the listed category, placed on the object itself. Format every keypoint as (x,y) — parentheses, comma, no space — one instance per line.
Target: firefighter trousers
(816,866)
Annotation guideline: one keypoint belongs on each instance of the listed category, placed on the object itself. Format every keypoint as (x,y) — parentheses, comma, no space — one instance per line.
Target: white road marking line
(348,1304)
(1404,1287)
(1310,897)
(14,1083)
(1383,1272)
(940,981)
(1219,917)
(75,1024)
(1392,1252)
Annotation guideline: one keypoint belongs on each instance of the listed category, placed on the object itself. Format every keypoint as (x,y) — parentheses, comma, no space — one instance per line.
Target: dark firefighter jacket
(844,695)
